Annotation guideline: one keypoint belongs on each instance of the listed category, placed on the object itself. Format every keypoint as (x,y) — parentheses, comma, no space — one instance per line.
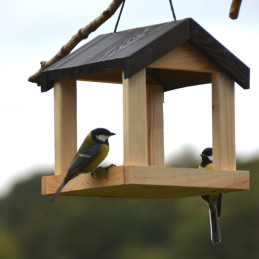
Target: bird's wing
(80,161)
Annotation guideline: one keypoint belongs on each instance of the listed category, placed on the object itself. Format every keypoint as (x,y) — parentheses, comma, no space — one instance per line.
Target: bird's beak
(202,155)
(112,134)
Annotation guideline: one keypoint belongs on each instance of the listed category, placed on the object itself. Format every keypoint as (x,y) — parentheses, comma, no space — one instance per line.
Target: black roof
(134,49)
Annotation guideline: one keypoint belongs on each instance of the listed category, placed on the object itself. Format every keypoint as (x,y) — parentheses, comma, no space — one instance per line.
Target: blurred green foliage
(79,227)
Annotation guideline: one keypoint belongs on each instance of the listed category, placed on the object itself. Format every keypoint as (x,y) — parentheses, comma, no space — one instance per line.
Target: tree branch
(83,33)
(234,9)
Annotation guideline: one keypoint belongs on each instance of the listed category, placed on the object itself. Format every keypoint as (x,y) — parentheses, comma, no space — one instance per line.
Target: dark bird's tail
(58,191)
(214,227)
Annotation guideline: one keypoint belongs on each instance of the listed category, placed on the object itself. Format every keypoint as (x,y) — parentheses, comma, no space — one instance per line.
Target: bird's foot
(101,168)
(106,170)
(93,174)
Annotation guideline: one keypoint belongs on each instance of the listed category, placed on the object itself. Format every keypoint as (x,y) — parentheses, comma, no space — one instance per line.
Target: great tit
(91,153)
(214,201)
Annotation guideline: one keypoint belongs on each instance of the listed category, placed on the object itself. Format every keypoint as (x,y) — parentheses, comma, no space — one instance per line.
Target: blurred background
(76,227)
(80,227)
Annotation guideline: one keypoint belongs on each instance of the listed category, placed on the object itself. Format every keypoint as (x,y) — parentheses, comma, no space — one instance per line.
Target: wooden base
(149,182)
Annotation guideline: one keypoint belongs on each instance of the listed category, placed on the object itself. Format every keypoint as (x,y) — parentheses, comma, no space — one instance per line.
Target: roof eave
(220,55)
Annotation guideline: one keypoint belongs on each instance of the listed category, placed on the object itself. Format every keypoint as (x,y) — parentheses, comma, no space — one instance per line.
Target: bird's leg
(93,174)
(105,168)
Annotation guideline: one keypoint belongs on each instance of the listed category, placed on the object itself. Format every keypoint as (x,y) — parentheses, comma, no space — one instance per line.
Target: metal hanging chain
(122,6)
(118,20)
(172,8)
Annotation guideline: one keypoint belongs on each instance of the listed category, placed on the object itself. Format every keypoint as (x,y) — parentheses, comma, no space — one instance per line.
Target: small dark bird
(214,201)
(91,153)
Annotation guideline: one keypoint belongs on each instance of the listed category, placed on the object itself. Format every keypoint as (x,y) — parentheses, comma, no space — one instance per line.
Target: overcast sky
(32,31)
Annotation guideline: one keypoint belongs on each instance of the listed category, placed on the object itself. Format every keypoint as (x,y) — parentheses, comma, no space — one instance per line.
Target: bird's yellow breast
(209,166)
(97,160)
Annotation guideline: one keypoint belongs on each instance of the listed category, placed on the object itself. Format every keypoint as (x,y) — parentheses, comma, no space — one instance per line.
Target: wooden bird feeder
(147,62)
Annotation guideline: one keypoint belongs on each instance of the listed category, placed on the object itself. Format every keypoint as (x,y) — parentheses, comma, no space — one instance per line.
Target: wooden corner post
(143,121)
(155,99)
(223,120)
(65,124)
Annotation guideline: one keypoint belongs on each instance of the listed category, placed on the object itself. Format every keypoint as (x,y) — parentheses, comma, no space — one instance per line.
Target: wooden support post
(143,122)
(135,119)
(223,120)
(65,124)
(155,99)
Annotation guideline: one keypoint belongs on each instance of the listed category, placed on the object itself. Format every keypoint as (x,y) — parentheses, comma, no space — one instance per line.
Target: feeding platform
(149,61)
(150,182)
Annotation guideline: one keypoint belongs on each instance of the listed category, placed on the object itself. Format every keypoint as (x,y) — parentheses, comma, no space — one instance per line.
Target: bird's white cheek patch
(210,158)
(102,138)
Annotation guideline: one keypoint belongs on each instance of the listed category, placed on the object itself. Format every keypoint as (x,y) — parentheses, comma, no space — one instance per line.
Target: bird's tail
(214,227)
(58,191)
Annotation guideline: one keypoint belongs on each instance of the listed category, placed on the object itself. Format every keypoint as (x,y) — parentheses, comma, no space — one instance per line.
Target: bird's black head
(101,135)
(206,156)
